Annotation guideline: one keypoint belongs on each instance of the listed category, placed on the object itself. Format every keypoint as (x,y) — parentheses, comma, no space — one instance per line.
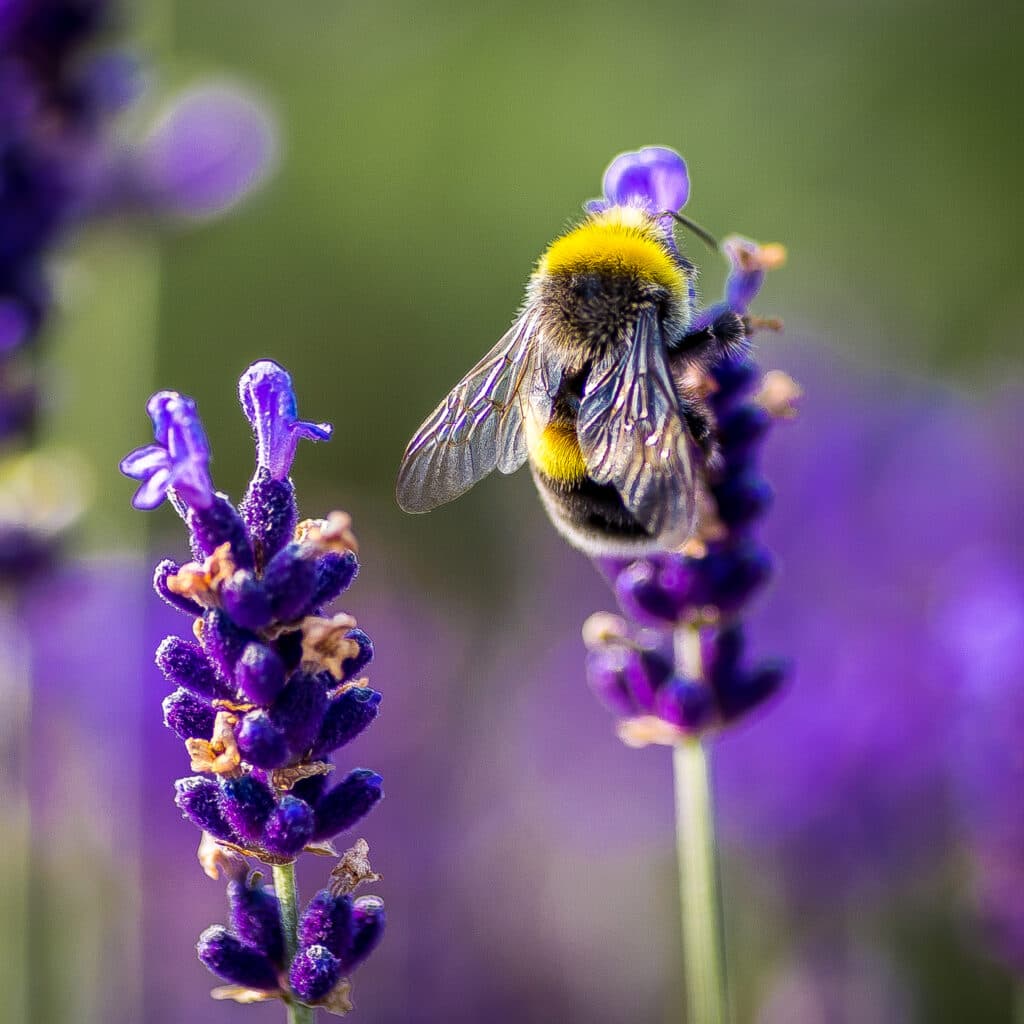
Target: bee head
(595,280)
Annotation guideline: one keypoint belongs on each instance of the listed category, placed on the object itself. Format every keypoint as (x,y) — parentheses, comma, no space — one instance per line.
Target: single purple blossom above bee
(654,178)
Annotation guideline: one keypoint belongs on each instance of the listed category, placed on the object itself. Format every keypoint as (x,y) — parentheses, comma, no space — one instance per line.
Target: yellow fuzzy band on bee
(621,239)
(555,451)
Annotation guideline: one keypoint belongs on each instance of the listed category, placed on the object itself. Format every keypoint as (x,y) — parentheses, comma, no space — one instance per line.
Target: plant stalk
(703,956)
(288,900)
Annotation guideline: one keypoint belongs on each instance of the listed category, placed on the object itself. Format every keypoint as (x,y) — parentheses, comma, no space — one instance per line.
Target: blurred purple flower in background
(852,987)
(555,799)
(265,696)
(210,148)
(981,627)
(850,784)
(63,164)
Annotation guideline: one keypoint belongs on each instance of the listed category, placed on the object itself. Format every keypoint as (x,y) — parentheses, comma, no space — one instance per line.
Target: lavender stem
(288,899)
(703,960)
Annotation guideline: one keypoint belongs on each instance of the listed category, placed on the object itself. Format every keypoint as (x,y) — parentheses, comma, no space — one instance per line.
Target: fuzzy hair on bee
(589,387)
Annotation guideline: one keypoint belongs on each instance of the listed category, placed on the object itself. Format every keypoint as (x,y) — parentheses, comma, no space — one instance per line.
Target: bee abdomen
(591,516)
(555,452)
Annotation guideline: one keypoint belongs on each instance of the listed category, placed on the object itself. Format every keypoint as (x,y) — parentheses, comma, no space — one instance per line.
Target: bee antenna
(705,236)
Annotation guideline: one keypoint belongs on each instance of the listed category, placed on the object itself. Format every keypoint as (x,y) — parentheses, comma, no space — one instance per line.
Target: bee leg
(700,425)
(724,335)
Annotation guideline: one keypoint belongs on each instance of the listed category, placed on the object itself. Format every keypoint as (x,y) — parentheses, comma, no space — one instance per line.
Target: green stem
(288,900)
(703,959)
(15,820)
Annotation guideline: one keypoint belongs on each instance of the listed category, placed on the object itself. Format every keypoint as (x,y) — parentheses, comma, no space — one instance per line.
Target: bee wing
(477,428)
(632,433)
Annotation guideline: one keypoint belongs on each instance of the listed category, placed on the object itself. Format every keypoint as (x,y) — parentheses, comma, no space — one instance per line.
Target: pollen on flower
(284,779)
(646,730)
(325,644)
(339,1000)
(773,255)
(331,534)
(750,255)
(240,994)
(708,528)
(216,859)
(603,628)
(237,706)
(697,382)
(352,870)
(778,395)
(363,683)
(202,582)
(219,754)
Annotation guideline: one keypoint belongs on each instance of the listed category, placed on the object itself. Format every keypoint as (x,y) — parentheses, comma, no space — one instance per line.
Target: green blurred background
(430,151)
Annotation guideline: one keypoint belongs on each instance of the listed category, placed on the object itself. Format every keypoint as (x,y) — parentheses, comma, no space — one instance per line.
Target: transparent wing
(477,428)
(632,433)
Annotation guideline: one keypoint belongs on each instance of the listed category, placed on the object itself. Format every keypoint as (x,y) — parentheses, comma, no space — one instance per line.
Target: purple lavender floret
(264,689)
(314,973)
(654,178)
(256,918)
(248,802)
(347,803)
(368,922)
(268,401)
(231,959)
(189,716)
(336,934)
(705,587)
(327,921)
(199,800)
(179,459)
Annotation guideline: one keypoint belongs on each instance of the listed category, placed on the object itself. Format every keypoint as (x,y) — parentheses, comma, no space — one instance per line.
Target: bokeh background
(874,863)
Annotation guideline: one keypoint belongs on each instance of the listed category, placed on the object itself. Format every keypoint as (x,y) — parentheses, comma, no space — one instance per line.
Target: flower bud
(235,962)
(341,807)
(313,973)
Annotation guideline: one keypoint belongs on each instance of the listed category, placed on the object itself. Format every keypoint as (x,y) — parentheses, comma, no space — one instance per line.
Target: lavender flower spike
(268,400)
(261,693)
(178,461)
(673,668)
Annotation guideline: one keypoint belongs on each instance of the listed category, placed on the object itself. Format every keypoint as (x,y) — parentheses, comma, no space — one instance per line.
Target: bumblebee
(590,386)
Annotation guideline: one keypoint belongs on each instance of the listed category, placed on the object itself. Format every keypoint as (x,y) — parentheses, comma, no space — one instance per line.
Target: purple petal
(15,325)
(153,491)
(746,275)
(179,459)
(313,973)
(654,178)
(268,401)
(229,958)
(144,461)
